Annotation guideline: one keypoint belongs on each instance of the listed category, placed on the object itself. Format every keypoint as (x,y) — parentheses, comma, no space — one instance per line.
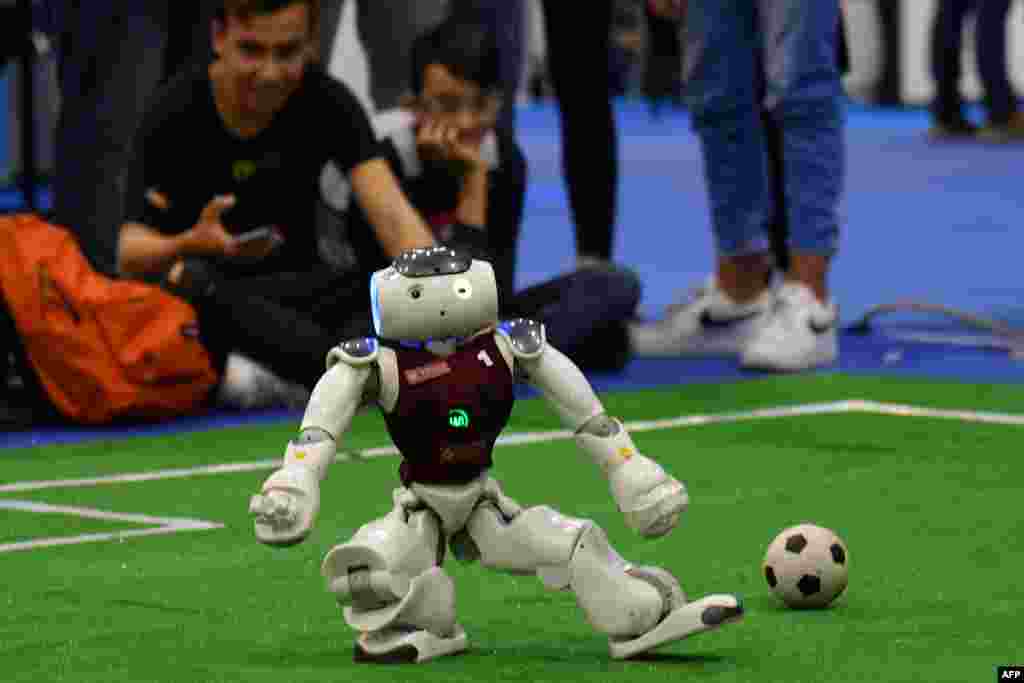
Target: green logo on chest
(242,170)
(458,418)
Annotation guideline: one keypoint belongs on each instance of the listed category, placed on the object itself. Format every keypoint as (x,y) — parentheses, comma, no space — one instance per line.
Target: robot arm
(650,499)
(287,505)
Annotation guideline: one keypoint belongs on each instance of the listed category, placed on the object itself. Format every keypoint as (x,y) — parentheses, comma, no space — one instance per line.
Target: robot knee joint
(387,576)
(377,565)
(369,588)
(538,539)
(616,600)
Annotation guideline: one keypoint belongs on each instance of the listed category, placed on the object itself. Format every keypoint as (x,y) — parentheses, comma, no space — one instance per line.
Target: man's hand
(286,507)
(257,249)
(209,236)
(438,141)
(650,499)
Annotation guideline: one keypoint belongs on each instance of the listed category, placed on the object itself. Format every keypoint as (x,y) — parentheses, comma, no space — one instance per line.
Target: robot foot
(706,614)
(402,646)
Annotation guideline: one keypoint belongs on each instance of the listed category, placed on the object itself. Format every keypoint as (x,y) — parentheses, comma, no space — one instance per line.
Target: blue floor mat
(875,353)
(941,223)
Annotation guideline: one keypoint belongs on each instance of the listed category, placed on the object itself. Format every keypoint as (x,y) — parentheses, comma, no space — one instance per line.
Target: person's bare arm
(437,141)
(397,225)
(472,204)
(143,250)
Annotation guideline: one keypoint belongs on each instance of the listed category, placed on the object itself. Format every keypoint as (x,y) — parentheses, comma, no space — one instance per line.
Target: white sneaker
(800,333)
(247,385)
(709,324)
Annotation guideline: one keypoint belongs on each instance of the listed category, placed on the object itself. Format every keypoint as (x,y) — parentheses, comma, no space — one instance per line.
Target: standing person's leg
(505,212)
(510,20)
(387,31)
(579,43)
(723,87)
(663,61)
(722,78)
(111,61)
(945,47)
(802,94)
(1005,121)
(778,229)
(507,19)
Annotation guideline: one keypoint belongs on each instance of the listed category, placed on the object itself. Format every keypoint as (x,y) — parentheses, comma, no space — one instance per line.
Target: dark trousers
(662,76)
(590,160)
(387,31)
(579,49)
(585,314)
(285,321)
(990,46)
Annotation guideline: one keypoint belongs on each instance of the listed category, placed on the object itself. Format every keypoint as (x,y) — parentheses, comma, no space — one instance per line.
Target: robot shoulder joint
(525,336)
(355,352)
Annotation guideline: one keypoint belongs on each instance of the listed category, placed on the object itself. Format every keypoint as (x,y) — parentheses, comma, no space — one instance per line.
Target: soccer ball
(807,566)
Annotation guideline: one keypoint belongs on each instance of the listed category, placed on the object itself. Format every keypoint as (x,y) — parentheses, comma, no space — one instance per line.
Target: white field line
(170,525)
(833,408)
(161,525)
(961,415)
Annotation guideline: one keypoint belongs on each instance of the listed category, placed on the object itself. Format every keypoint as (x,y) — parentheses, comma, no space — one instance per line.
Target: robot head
(433,293)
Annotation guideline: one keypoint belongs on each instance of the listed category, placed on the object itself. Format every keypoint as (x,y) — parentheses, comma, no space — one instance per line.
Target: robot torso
(450,410)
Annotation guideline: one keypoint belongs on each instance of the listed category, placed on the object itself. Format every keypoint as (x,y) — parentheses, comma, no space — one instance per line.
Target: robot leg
(390,586)
(639,608)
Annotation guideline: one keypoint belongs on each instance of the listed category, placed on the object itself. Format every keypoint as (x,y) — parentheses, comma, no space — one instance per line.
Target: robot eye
(415,291)
(463,288)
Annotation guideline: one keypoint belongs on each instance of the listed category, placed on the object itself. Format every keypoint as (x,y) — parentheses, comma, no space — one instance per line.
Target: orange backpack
(102,348)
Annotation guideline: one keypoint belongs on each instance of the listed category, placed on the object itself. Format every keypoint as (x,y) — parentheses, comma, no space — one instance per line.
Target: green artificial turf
(929,509)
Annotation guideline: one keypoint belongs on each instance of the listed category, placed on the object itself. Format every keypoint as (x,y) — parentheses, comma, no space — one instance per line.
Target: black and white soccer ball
(807,566)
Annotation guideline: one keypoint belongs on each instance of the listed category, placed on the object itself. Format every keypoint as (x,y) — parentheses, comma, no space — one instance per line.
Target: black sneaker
(954,129)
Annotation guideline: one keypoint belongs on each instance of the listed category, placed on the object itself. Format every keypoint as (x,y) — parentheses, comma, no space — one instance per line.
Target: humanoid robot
(442,370)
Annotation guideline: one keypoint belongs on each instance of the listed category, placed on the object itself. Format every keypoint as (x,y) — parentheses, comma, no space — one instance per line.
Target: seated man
(468,177)
(237,145)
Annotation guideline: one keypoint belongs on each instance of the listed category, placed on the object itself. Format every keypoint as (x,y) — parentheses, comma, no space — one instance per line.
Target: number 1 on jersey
(486,359)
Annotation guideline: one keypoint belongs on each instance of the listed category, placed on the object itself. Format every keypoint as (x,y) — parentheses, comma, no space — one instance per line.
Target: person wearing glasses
(466,175)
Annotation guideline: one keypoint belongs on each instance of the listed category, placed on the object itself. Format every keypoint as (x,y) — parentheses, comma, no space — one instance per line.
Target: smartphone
(265,233)
(257,244)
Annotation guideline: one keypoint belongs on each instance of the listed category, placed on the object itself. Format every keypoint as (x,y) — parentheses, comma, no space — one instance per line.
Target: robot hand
(286,507)
(650,499)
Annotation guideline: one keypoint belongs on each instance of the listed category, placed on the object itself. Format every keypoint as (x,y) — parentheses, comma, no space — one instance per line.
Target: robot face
(433,294)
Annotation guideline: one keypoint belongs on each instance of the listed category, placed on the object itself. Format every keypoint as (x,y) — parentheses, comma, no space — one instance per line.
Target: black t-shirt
(184,150)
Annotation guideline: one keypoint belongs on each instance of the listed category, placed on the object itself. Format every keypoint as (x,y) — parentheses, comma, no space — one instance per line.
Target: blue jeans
(746,58)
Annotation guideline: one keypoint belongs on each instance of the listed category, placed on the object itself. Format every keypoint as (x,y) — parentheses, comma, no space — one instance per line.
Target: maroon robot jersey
(450,410)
